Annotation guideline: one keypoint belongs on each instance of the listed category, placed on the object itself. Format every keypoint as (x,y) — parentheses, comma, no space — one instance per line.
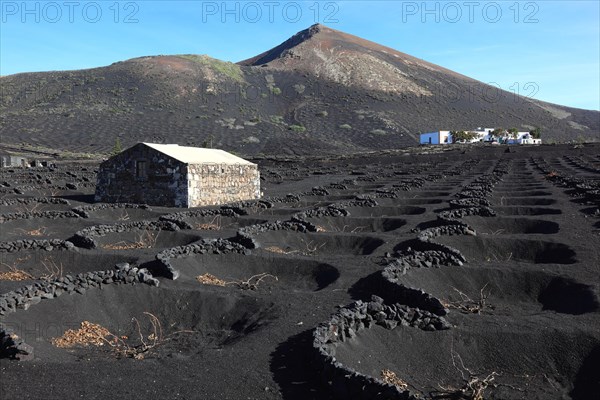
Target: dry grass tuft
(468,305)
(310,248)
(120,246)
(96,335)
(474,387)
(497,232)
(253,282)
(147,342)
(358,229)
(214,225)
(88,334)
(249,284)
(207,227)
(14,273)
(30,208)
(145,240)
(345,228)
(391,378)
(41,231)
(209,279)
(499,258)
(53,269)
(279,250)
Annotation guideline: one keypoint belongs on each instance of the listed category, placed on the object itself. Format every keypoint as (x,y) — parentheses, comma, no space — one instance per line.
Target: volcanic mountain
(321,91)
(351,61)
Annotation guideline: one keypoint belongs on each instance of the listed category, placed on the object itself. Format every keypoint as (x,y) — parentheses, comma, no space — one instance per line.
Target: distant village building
(176,176)
(524,138)
(11,160)
(481,135)
(439,137)
(39,163)
(484,134)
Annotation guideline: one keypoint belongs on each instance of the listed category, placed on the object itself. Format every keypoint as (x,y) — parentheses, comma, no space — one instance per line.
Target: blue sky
(548,50)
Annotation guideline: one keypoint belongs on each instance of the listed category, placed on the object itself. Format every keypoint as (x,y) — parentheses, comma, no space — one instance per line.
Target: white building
(439,137)
(524,138)
(482,135)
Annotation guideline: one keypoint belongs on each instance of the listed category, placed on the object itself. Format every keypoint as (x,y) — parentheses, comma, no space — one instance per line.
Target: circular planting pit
(444,187)
(518,183)
(329,198)
(279,212)
(219,223)
(308,244)
(108,215)
(526,193)
(176,322)
(524,201)
(145,239)
(507,225)
(424,193)
(421,201)
(306,204)
(504,290)
(370,186)
(500,249)
(507,188)
(440,363)
(31,265)
(357,224)
(385,211)
(34,206)
(292,274)
(418,245)
(527,211)
(42,228)
(386,202)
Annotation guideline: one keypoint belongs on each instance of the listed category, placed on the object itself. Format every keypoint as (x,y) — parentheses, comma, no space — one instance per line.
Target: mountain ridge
(316,29)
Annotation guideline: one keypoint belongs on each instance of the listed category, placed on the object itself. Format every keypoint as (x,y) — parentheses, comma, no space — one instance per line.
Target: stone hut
(176,176)
(11,160)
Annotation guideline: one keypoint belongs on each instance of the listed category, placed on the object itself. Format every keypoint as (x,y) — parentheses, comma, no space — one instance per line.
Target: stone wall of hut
(211,184)
(163,184)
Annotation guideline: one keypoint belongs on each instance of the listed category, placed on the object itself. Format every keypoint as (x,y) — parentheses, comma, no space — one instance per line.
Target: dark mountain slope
(322,91)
